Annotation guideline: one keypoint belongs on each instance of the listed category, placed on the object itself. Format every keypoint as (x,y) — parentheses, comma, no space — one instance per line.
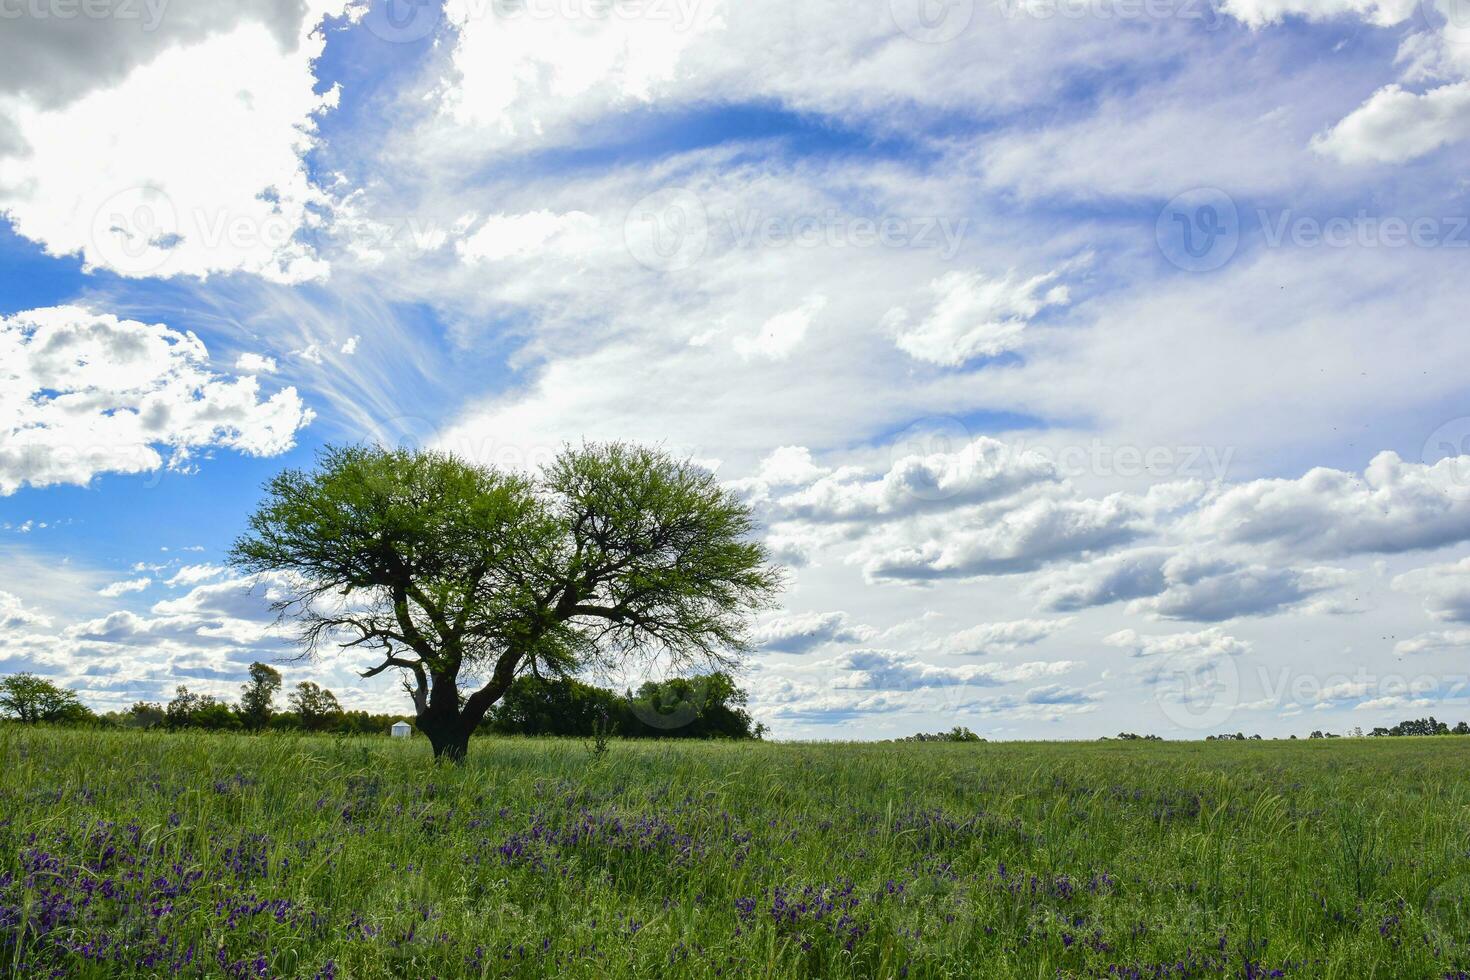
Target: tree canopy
(31,699)
(464,576)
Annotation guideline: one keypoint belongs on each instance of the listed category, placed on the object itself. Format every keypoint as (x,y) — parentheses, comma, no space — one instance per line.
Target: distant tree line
(959,733)
(709,706)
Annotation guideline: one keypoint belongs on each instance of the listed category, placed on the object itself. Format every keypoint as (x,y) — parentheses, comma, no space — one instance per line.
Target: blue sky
(1091,365)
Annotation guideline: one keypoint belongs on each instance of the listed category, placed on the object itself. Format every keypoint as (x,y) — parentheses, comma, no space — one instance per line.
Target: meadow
(151,854)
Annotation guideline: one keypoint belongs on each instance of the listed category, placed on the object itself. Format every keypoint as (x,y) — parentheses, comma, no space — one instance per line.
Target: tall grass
(130,854)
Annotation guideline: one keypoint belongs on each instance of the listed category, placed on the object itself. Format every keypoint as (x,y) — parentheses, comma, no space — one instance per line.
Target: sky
(1091,365)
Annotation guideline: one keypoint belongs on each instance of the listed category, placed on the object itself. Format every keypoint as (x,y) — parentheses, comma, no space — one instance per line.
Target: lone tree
(32,699)
(257,696)
(316,706)
(464,576)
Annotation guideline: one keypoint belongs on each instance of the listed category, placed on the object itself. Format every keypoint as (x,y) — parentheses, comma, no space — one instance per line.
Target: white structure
(402,729)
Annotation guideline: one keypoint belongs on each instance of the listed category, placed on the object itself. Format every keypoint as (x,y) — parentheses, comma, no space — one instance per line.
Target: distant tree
(446,568)
(258,695)
(190,710)
(1131,737)
(32,699)
(1420,726)
(146,715)
(1463,728)
(556,706)
(957,734)
(708,706)
(316,706)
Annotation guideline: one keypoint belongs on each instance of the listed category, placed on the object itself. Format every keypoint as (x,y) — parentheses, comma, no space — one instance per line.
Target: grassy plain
(142,854)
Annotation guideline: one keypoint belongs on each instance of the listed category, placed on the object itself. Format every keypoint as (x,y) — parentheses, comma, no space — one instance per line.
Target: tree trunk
(451,747)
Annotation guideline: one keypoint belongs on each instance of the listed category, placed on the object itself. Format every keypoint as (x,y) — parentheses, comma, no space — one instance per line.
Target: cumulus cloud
(992,638)
(190,575)
(121,588)
(1393,506)
(255,364)
(1396,125)
(1116,578)
(88,393)
(1211,589)
(190,162)
(1445,589)
(984,470)
(973,316)
(1003,542)
(1439,641)
(1258,13)
(887,670)
(804,632)
(780,336)
(15,616)
(1207,644)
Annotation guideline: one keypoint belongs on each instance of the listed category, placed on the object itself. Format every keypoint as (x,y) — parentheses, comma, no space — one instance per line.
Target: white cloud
(781,334)
(1116,578)
(974,316)
(991,638)
(255,364)
(15,616)
(120,588)
(803,632)
(349,347)
(88,393)
(886,670)
(191,164)
(1445,589)
(1440,641)
(1396,125)
(1259,13)
(1393,506)
(1001,542)
(984,470)
(191,575)
(1207,644)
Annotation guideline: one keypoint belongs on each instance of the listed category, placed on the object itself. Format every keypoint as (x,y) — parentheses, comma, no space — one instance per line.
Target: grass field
(137,854)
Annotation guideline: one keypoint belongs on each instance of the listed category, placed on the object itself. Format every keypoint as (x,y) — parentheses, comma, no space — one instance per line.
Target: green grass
(358,857)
